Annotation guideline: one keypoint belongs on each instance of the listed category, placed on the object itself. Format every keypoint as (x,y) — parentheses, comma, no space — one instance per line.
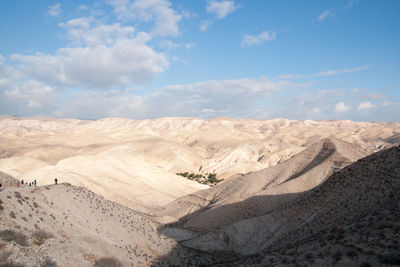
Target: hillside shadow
(251,207)
(327,150)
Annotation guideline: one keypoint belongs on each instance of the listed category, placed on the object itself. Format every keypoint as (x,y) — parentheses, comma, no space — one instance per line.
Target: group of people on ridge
(30,183)
(22,183)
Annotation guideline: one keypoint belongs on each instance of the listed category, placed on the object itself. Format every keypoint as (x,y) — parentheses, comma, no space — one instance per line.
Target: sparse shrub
(351,253)
(18,195)
(390,258)
(108,262)
(40,236)
(365,264)
(11,264)
(9,235)
(309,255)
(337,255)
(48,263)
(4,255)
(12,215)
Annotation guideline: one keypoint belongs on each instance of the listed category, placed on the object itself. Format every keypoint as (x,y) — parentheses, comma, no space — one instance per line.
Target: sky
(145,59)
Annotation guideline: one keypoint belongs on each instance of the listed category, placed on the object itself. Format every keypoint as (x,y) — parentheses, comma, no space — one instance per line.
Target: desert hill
(134,162)
(65,225)
(353,216)
(300,173)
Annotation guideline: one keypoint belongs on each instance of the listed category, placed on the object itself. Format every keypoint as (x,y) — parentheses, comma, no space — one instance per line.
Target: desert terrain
(294,192)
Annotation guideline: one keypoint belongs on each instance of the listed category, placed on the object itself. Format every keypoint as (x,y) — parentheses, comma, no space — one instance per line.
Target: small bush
(108,262)
(48,263)
(40,236)
(390,258)
(11,264)
(12,215)
(4,255)
(9,236)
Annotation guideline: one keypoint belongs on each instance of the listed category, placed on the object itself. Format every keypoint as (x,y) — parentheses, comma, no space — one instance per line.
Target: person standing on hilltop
(55,181)
(34,182)
(22,182)
(17,183)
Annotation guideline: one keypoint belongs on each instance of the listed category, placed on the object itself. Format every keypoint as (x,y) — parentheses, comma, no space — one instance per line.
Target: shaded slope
(346,199)
(299,173)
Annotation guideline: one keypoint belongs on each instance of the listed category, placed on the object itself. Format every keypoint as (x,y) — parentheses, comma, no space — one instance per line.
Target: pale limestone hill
(70,226)
(300,173)
(352,218)
(134,162)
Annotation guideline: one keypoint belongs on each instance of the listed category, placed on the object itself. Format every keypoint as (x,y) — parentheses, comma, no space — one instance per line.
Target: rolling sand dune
(134,162)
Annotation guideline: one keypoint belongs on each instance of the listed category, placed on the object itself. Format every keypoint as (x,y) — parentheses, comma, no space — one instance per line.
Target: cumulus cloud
(324,15)
(19,96)
(54,10)
(80,32)
(108,56)
(159,12)
(235,98)
(341,107)
(34,94)
(250,40)
(365,105)
(221,8)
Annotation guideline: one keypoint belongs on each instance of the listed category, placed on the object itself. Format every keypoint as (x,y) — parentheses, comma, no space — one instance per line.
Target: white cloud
(80,32)
(348,70)
(221,8)
(173,45)
(341,107)
(111,56)
(205,24)
(324,15)
(54,10)
(35,94)
(18,96)
(250,40)
(365,105)
(325,73)
(159,12)
(235,98)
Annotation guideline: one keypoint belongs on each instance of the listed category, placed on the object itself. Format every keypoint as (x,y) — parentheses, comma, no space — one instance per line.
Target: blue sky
(156,58)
